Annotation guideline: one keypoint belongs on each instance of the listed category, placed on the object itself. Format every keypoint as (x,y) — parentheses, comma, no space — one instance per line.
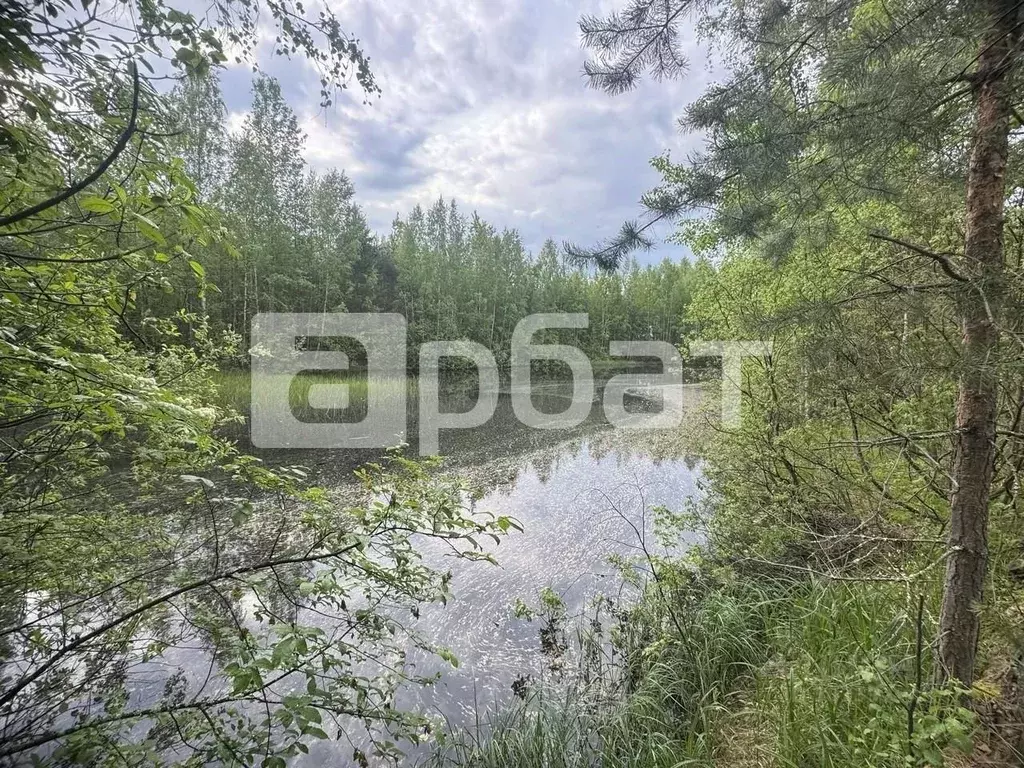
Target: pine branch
(611,253)
(941,259)
(644,37)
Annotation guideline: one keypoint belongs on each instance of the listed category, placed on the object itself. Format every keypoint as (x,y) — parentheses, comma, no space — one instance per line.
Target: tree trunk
(979,306)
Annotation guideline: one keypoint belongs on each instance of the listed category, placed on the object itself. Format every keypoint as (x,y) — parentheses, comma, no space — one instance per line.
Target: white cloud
(484,102)
(236,120)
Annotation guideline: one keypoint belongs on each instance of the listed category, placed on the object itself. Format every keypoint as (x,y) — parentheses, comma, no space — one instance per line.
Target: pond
(581,494)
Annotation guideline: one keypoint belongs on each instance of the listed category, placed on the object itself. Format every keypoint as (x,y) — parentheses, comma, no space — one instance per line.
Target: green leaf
(96,204)
(149,229)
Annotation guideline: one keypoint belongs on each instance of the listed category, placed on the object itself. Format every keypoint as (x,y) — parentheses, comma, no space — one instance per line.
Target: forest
(837,580)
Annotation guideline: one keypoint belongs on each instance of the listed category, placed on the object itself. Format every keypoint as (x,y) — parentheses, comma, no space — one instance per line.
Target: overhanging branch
(100,169)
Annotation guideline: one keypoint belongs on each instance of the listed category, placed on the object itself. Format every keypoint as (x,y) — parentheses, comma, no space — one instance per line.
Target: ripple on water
(577,507)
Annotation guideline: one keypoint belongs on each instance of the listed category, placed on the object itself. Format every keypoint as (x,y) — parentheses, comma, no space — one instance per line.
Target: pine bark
(980,302)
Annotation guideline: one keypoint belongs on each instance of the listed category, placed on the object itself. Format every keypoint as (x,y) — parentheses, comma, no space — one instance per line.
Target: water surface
(581,495)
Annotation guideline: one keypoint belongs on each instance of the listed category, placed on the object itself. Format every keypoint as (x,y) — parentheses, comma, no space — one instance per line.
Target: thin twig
(912,706)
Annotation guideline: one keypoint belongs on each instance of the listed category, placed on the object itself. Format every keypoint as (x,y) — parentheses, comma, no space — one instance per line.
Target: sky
(484,101)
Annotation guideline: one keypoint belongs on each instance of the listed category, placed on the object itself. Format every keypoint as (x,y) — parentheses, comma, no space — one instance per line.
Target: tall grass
(234,390)
(654,704)
(793,674)
(851,684)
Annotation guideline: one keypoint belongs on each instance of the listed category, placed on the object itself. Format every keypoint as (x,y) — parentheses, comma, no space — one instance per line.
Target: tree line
(300,243)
